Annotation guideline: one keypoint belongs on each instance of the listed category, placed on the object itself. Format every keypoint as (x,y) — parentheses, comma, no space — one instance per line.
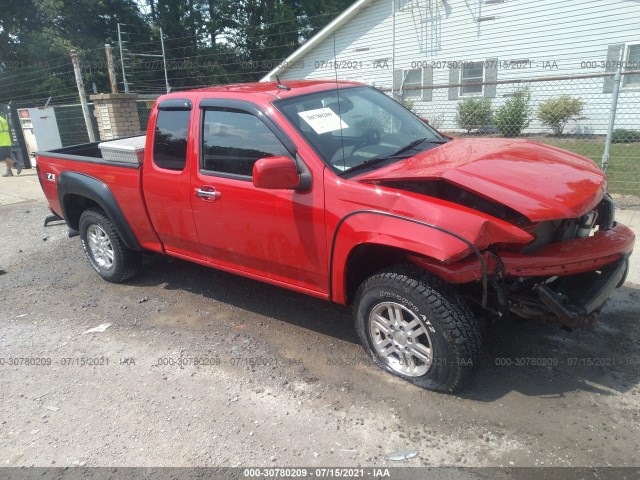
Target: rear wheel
(415,327)
(104,248)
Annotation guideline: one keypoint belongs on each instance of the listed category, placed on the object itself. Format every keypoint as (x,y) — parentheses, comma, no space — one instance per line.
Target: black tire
(452,332)
(125,264)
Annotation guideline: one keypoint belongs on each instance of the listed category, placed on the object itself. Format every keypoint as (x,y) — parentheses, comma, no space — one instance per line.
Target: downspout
(393,48)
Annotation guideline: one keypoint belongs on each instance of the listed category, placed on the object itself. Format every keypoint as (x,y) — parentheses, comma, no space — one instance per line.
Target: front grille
(552,231)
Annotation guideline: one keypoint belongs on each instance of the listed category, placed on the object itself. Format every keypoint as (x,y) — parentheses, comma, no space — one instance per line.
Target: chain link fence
(144,110)
(571,113)
(72,127)
(71,123)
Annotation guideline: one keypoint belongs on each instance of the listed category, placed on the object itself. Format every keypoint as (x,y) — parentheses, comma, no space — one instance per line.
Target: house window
(412,78)
(471,72)
(632,62)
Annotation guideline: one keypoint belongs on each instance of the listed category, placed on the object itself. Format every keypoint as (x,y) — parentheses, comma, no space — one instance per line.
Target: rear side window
(170,139)
(232,141)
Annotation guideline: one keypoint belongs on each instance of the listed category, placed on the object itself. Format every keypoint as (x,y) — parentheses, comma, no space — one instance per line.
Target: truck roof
(297,87)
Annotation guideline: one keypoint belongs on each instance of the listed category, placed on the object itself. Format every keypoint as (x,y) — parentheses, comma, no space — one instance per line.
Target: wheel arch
(367,259)
(78,192)
(361,246)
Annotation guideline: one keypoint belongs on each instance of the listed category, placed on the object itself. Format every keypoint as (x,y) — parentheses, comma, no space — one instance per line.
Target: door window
(232,141)
(170,139)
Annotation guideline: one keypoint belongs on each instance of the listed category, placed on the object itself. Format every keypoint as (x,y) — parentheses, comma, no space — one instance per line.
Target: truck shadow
(521,356)
(251,295)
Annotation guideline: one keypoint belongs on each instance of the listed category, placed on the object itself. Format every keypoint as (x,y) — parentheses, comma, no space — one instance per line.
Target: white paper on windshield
(323,120)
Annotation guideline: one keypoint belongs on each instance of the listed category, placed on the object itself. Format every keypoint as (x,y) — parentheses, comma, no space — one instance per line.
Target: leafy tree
(38,36)
(207,41)
(320,12)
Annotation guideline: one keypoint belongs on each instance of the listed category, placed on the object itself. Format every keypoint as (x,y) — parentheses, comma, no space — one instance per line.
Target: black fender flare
(477,253)
(73,183)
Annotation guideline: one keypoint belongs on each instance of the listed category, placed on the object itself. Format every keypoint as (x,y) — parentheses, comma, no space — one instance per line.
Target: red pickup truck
(335,190)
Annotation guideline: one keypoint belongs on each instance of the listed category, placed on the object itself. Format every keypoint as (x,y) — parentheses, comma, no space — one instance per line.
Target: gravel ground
(284,381)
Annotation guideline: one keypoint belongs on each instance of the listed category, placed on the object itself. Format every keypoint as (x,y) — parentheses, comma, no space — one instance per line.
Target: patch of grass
(624,160)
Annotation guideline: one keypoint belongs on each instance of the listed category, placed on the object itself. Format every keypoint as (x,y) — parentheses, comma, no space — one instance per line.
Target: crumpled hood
(537,180)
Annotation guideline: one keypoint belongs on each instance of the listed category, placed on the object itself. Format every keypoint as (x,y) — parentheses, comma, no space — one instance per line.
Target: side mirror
(425,120)
(276,173)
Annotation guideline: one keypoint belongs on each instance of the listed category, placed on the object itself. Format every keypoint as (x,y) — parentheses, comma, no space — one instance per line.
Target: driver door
(272,234)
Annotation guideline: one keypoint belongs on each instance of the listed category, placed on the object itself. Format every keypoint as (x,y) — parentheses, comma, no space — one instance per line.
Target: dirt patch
(202,368)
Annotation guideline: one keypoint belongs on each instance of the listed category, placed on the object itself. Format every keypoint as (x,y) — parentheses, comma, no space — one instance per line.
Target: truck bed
(86,152)
(86,159)
(92,153)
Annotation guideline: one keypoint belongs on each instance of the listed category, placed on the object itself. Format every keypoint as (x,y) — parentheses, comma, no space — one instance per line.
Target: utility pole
(112,71)
(124,76)
(83,96)
(164,62)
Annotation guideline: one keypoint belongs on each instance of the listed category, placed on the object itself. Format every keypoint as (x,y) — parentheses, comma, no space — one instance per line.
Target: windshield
(354,129)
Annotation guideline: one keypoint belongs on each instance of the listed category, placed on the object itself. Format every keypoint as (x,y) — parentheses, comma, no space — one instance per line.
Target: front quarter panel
(359,213)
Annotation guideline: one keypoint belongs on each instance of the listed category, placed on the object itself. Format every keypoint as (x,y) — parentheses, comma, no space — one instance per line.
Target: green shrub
(474,113)
(408,104)
(515,115)
(620,135)
(556,112)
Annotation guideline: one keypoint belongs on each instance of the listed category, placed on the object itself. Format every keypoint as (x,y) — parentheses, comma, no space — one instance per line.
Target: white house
(460,48)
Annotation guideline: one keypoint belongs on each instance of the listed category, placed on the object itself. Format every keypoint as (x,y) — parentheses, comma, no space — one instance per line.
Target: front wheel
(104,248)
(417,328)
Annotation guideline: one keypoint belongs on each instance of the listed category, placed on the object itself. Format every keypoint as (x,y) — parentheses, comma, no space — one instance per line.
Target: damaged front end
(589,257)
(576,254)
(573,300)
(564,276)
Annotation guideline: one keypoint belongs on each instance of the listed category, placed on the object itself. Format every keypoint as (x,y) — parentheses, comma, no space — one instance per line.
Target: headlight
(586,223)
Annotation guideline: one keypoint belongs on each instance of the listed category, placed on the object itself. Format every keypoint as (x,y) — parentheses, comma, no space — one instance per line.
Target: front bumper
(575,300)
(566,282)
(572,256)
(558,259)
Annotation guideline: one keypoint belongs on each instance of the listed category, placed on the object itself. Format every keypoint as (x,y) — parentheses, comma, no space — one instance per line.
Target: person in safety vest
(5,148)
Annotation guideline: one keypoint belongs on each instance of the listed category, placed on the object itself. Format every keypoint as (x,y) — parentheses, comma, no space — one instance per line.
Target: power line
(239,26)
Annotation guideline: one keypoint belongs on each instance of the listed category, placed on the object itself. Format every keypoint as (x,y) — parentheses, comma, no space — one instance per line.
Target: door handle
(210,194)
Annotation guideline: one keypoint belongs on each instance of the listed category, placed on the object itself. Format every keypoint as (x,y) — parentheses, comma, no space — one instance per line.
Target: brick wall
(117,115)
